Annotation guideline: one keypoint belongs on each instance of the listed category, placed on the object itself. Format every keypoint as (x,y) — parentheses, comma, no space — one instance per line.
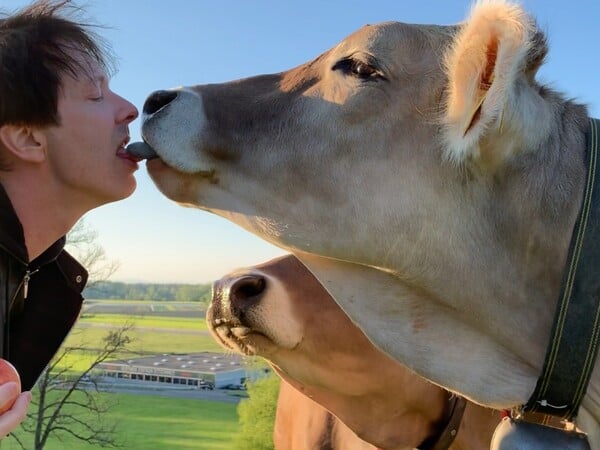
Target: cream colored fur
(485,68)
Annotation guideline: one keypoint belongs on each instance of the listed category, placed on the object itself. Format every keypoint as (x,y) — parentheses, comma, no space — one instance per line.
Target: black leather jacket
(39,301)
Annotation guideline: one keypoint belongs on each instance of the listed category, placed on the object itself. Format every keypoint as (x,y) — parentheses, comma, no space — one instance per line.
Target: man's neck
(44,215)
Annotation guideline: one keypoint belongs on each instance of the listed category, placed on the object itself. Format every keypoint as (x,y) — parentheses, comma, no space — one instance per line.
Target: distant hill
(110,290)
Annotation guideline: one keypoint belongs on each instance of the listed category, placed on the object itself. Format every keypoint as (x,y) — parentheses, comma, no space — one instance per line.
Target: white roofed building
(204,370)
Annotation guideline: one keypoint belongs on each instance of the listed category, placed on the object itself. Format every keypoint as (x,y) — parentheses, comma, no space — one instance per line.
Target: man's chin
(125,192)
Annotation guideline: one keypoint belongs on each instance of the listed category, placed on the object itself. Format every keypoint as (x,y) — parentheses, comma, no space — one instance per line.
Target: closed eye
(358,69)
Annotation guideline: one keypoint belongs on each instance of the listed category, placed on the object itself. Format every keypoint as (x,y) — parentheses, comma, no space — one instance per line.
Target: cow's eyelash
(358,68)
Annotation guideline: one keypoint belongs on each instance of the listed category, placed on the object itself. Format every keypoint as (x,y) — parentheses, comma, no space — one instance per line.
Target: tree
(187,293)
(67,404)
(257,414)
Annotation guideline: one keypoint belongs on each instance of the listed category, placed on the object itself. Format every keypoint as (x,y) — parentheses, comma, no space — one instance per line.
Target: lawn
(158,423)
(141,302)
(156,341)
(118,320)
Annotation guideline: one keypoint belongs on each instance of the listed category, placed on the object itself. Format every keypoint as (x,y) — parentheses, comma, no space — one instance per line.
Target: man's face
(86,150)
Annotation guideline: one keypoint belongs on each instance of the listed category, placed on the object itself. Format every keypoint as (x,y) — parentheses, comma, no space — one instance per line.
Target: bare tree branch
(114,341)
(18,440)
(76,411)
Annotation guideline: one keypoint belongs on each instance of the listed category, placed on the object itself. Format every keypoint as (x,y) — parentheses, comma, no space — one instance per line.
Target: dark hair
(39,44)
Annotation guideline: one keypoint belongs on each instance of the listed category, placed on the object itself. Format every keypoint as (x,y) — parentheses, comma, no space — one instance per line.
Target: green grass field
(141,302)
(157,423)
(117,320)
(149,340)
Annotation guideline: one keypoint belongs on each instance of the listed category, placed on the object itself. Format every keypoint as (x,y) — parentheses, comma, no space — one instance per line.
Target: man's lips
(122,153)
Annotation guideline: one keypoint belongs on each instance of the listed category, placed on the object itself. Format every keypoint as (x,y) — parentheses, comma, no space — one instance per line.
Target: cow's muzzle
(229,315)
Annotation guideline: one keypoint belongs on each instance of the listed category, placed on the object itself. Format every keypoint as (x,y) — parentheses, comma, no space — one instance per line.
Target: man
(62,138)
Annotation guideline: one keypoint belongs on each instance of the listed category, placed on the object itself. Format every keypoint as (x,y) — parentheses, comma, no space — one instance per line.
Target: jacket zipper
(26,279)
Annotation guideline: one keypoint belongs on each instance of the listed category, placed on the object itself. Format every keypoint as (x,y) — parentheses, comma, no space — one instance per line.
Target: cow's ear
(491,67)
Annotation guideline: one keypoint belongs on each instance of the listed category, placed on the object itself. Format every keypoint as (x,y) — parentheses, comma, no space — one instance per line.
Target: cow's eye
(357,68)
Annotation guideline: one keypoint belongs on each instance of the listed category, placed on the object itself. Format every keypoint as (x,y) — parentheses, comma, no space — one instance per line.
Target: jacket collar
(12,238)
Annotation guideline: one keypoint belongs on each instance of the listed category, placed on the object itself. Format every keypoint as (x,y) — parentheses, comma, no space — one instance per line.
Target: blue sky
(167,43)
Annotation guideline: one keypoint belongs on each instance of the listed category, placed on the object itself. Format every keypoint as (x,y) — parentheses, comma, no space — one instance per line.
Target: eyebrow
(102,79)
(98,81)
(96,78)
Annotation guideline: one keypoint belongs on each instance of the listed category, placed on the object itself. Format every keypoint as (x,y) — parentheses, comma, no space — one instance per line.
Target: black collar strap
(452,419)
(573,348)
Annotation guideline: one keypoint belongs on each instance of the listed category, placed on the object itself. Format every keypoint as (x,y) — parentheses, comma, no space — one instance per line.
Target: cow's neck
(505,243)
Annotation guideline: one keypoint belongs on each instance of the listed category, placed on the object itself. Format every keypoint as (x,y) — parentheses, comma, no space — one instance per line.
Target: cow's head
(427,154)
(278,310)
(384,132)
(292,156)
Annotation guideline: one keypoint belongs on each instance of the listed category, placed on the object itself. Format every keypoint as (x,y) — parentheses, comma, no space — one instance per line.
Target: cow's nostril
(248,287)
(157,100)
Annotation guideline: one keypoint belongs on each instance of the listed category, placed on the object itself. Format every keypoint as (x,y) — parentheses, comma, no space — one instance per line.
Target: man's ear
(24,143)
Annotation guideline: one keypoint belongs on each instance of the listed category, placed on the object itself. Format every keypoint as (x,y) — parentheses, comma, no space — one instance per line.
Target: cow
(337,388)
(424,176)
